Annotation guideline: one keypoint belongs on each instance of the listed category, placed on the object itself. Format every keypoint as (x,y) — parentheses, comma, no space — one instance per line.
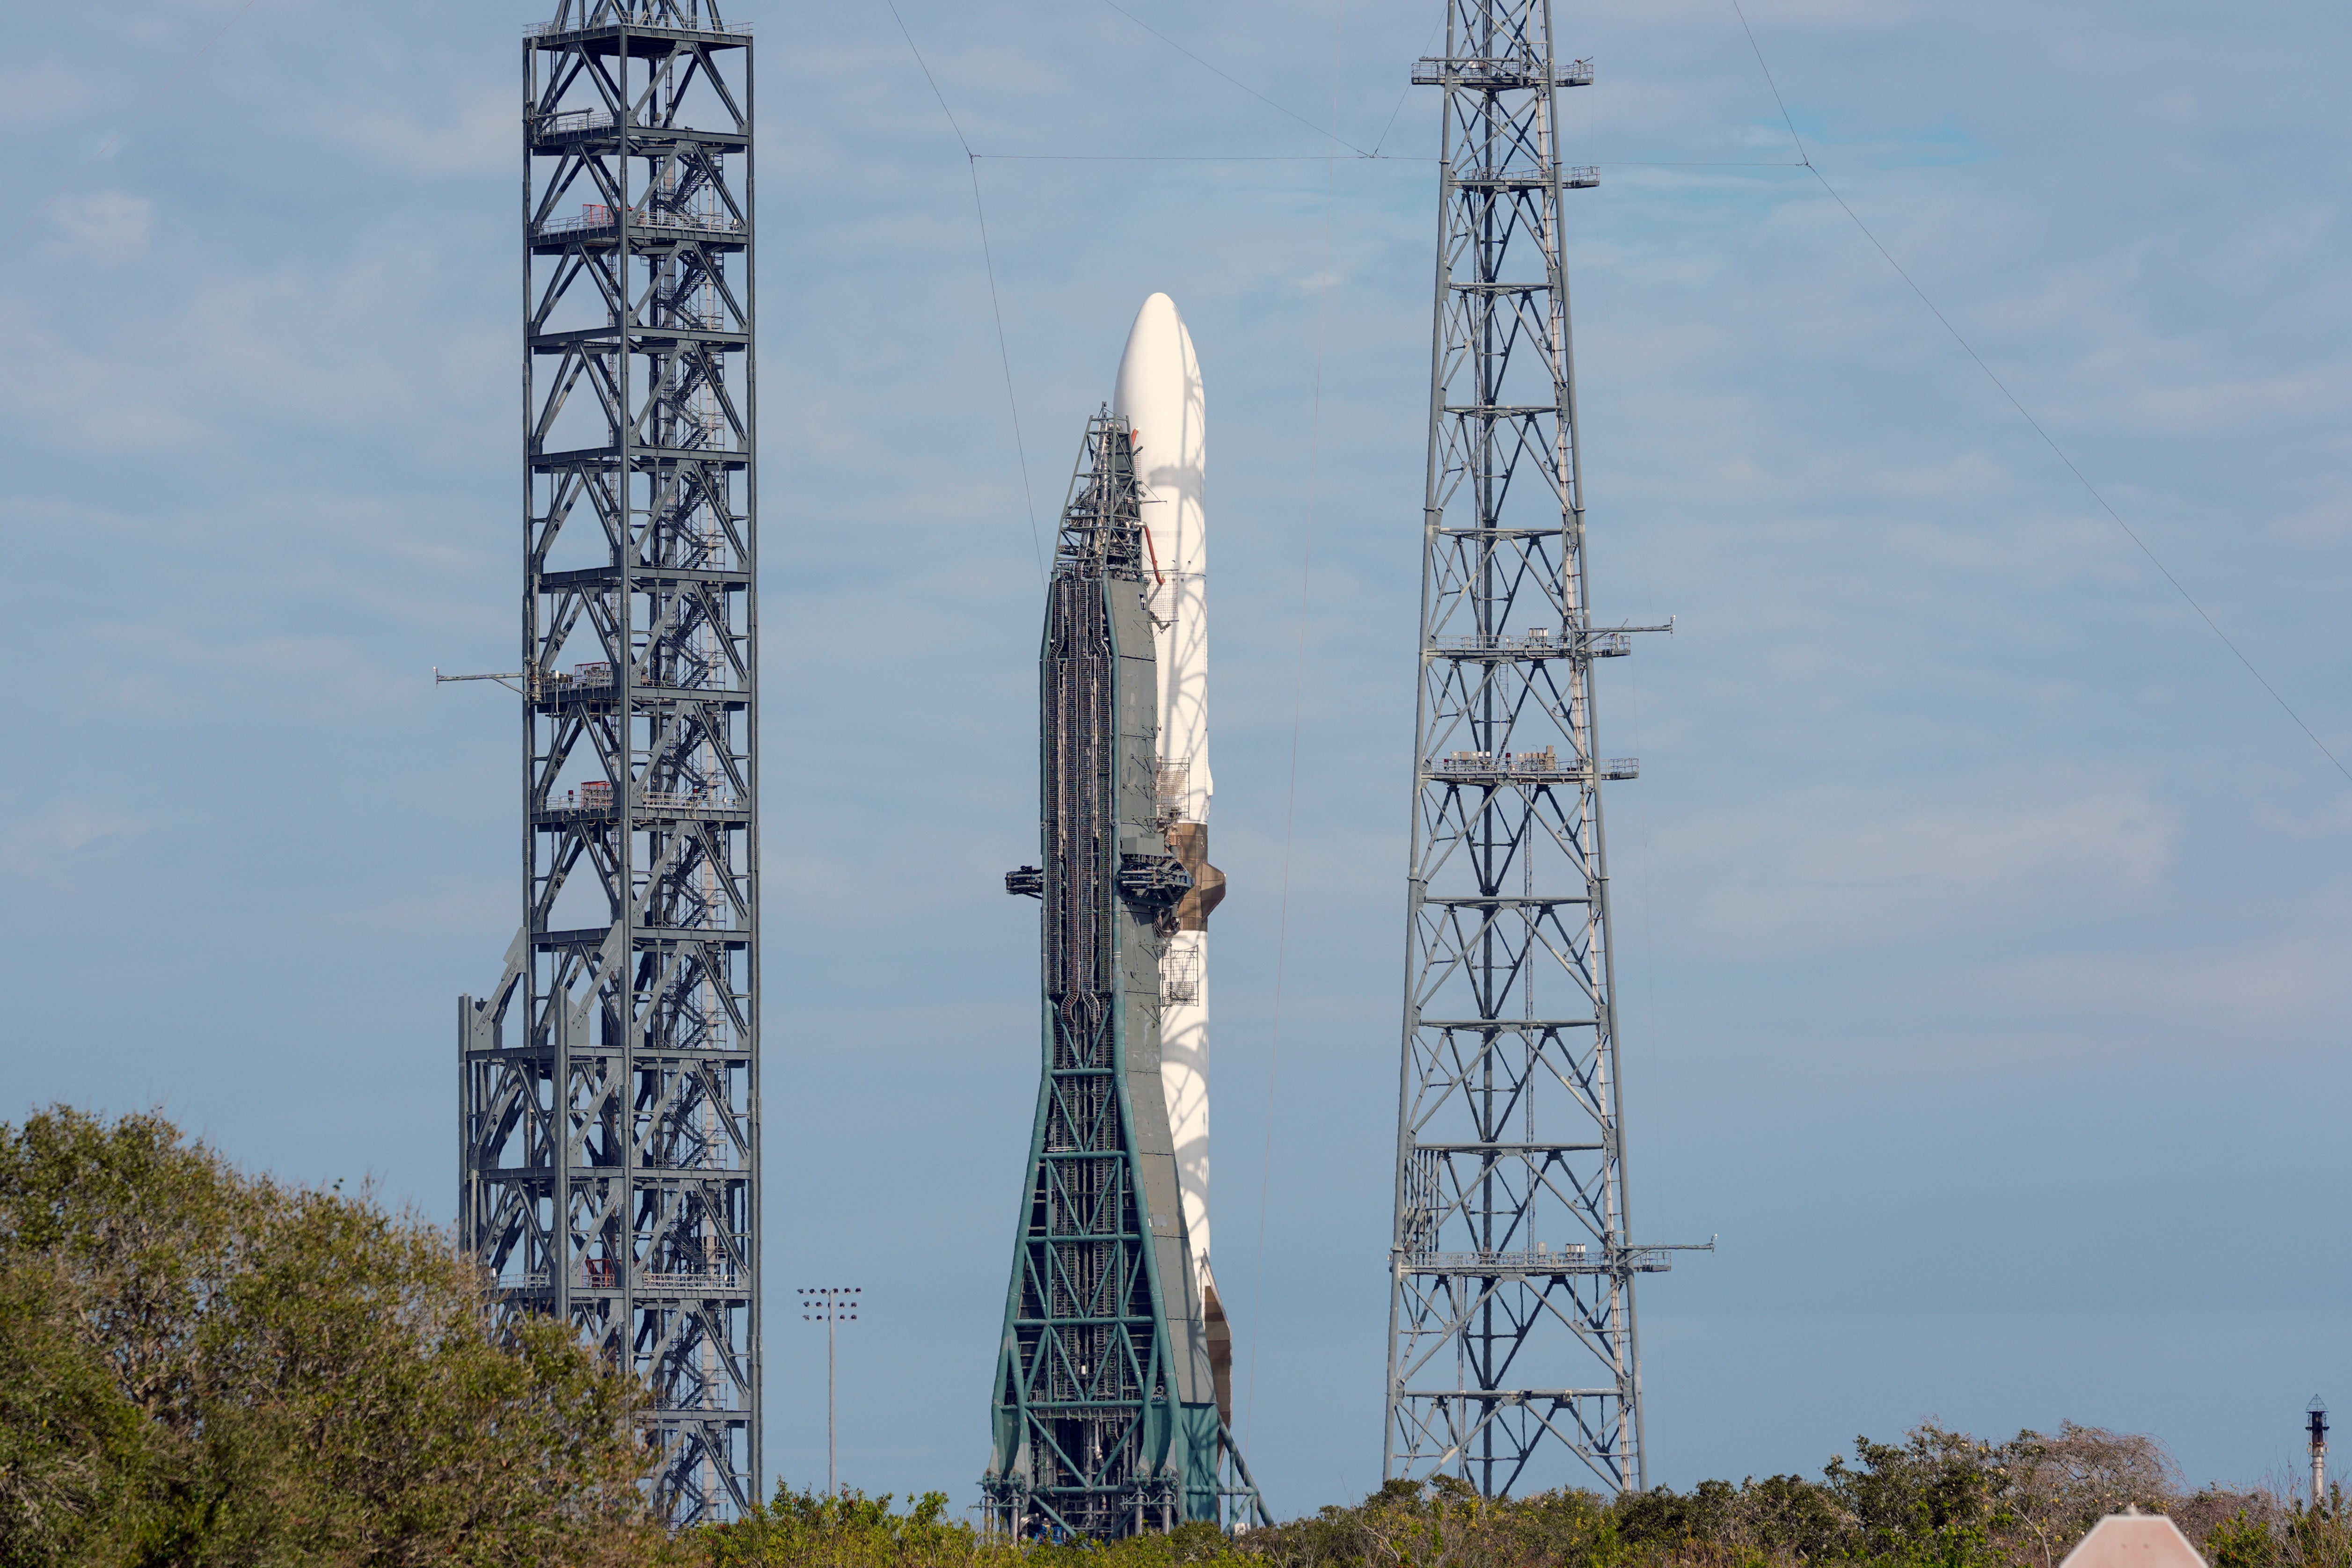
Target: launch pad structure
(1513,1358)
(609,1083)
(1106,1419)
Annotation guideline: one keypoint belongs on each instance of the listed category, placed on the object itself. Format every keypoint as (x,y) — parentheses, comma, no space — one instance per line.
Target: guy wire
(988,260)
(1966,346)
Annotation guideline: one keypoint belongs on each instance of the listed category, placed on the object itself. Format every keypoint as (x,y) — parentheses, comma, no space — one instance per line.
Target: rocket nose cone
(1155,352)
(1158,309)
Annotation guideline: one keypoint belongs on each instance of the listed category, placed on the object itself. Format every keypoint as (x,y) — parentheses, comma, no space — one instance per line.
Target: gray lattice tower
(610,1140)
(1512,1348)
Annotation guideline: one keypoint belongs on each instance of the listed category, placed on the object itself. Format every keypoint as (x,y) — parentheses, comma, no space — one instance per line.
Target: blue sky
(1981,919)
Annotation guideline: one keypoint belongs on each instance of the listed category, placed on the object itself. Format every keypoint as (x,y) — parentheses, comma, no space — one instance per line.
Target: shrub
(206,1367)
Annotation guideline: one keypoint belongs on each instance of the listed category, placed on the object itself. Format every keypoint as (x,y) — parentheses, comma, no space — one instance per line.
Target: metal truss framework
(1513,1356)
(610,1083)
(1104,1420)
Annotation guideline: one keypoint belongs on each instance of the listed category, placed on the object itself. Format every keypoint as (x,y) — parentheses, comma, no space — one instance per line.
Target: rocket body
(1160,395)
(1112,1409)
(1107,1411)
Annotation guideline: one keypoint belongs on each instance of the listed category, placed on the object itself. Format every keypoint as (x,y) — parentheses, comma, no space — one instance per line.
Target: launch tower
(1106,1418)
(1513,1355)
(610,1141)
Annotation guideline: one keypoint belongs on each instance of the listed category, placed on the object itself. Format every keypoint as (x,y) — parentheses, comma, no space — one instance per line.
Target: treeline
(205,1368)
(1938,1500)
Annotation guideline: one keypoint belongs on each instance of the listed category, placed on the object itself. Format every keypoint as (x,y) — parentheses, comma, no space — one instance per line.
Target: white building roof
(2134,1540)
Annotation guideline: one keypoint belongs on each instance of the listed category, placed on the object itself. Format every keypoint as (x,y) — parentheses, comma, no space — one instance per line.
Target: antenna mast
(1513,1355)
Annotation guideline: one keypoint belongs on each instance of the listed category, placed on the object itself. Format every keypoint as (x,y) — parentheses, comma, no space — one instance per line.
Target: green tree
(210,1368)
(850,1529)
(2242,1540)
(71,1451)
(1937,1498)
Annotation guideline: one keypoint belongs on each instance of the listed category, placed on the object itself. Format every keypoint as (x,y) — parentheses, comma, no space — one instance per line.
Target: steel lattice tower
(1511,1313)
(609,1139)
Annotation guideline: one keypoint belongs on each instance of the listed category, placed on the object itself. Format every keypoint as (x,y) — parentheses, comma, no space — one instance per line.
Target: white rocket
(1160,396)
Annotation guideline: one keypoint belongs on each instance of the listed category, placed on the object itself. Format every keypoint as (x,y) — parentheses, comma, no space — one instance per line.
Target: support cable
(1367,158)
(2023,413)
(1378,142)
(1184,158)
(1283,108)
(988,260)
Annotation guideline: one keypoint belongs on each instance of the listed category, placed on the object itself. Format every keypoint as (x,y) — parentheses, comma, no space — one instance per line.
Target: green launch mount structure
(1110,1418)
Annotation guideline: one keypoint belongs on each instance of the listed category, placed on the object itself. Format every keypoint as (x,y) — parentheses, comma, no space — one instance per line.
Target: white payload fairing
(1160,396)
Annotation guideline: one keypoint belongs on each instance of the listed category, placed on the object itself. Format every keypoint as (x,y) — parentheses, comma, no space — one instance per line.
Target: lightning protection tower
(610,1083)
(1105,1418)
(1512,1352)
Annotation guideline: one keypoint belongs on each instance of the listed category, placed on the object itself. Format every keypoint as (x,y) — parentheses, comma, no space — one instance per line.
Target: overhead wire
(988,260)
(1805,155)
(1366,158)
(1216,71)
(115,141)
(1402,93)
(1183,158)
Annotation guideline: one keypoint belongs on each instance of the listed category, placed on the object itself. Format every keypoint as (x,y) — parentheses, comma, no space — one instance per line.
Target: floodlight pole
(829,1304)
